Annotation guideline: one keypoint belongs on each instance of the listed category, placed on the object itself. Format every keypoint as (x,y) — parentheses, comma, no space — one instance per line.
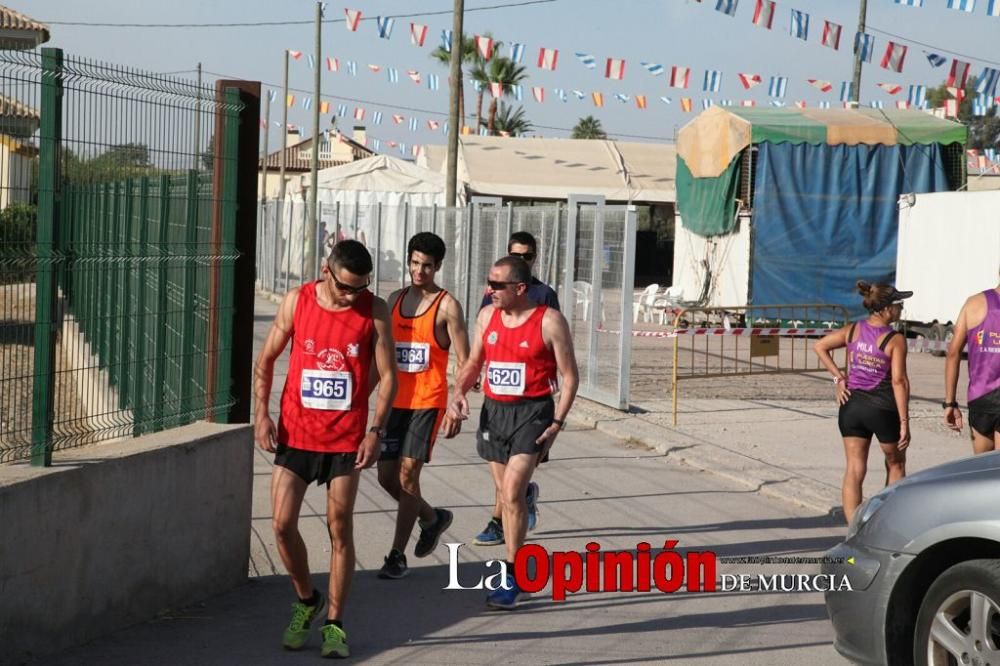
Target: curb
(678,447)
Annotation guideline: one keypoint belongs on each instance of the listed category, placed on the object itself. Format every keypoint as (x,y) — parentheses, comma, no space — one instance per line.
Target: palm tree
(589,128)
(512,121)
(471,59)
(500,70)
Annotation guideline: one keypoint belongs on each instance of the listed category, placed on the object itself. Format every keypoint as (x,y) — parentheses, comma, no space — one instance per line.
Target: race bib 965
(327,389)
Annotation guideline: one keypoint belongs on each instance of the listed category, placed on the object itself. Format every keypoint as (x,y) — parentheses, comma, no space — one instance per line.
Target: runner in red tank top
(523,346)
(426,322)
(337,328)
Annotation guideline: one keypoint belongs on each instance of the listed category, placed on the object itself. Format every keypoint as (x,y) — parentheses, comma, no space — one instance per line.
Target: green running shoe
(297,633)
(334,641)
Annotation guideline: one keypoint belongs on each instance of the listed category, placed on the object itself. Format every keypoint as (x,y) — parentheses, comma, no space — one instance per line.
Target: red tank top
(518,364)
(324,405)
(422,362)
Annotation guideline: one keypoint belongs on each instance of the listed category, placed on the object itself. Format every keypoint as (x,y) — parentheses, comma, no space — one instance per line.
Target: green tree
(470,59)
(512,121)
(984,131)
(589,128)
(500,70)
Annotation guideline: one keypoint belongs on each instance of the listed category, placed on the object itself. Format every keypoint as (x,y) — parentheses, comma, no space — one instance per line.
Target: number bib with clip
(413,356)
(506,378)
(327,389)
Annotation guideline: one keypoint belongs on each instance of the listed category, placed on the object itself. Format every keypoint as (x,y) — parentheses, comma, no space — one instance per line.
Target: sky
(682,33)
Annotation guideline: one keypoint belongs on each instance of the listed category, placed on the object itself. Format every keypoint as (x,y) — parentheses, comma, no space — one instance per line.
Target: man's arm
(557,336)
(385,363)
(265,432)
(458,407)
(458,334)
(373,376)
(952,361)
(900,388)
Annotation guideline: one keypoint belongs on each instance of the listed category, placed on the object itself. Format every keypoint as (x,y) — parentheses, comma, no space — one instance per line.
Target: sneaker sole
(477,542)
(335,654)
(450,517)
(387,576)
(524,596)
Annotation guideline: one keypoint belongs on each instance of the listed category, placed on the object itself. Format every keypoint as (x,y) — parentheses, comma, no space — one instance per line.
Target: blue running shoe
(505,599)
(491,536)
(532,499)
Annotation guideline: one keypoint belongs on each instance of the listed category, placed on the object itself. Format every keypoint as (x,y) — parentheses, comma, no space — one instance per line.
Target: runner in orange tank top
(426,322)
(524,347)
(341,343)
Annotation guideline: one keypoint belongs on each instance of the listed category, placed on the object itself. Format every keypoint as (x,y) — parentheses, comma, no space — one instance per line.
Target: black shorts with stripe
(510,428)
(411,433)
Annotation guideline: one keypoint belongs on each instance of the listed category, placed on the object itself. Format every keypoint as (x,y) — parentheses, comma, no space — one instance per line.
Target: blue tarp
(825,217)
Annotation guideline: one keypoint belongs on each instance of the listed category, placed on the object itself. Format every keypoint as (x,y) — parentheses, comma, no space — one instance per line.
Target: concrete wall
(114,534)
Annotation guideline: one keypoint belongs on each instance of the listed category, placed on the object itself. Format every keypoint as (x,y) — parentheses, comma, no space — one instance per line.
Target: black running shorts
(863,417)
(509,428)
(314,465)
(984,414)
(411,433)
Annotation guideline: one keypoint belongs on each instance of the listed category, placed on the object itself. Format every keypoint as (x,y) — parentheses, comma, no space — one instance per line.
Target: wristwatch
(560,423)
(946,405)
(378,431)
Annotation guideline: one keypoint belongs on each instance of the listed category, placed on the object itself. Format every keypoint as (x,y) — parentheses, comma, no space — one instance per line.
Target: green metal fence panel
(111,320)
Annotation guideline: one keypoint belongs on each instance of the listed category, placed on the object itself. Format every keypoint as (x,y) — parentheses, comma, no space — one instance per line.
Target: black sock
(499,520)
(313,600)
(337,623)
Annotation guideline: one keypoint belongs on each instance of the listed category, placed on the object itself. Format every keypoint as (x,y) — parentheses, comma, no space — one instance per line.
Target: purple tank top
(984,350)
(867,366)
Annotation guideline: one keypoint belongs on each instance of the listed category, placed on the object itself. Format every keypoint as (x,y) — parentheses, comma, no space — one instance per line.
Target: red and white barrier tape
(744,332)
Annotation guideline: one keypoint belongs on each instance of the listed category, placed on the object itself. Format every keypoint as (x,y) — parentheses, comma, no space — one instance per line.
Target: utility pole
(197,123)
(263,179)
(856,81)
(284,140)
(313,226)
(455,87)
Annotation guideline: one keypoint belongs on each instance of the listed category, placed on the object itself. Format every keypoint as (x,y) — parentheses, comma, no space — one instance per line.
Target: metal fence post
(128,312)
(510,222)
(190,284)
(378,244)
(627,289)
(47,240)
(160,330)
(138,402)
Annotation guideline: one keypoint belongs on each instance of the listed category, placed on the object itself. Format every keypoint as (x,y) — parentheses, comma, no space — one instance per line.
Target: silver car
(923,561)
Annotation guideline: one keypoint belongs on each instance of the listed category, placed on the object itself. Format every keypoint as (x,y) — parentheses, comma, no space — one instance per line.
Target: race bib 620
(413,356)
(327,389)
(506,378)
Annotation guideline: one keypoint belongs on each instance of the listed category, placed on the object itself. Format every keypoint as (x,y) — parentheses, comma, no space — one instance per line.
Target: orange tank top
(422,361)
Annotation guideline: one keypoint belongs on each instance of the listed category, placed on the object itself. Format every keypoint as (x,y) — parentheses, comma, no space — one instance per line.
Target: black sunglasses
(527,256)
(499,285)
(348,288)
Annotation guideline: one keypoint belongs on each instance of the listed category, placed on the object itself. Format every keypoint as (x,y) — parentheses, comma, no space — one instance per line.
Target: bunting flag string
(800,24)
(894,56)
(640,101)
(548,58)
(962,5)
(587,60)
(846,91)
(655,69)
(777,86)
(598,99)
(679,77)
(516,53)
(295,54)
(763,14)
(727,7)
(615,69)
(623,98)
(935,59)
(916,95)
(911,3)
(393,75)
(891,88)
(959,74)
(822,86)
(418,33)
(433,82)
(749,80)
(864,44)
(713,81)
(333,64)
(353,18)
(485,46)
(538,93)
(446,39)
(384,26)
(831,35)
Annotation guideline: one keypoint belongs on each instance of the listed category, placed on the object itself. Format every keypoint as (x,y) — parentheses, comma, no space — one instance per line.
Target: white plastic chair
(643,304)
(670,298)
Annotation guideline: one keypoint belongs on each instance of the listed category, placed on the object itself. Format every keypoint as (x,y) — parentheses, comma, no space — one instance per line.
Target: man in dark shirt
(520,244)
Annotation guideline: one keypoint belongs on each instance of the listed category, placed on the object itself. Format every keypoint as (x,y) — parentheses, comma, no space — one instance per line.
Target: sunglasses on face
(498,285)
(348,288)
(527,256)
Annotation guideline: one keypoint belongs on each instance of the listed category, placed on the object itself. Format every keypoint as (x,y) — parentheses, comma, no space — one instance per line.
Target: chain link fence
(598,241)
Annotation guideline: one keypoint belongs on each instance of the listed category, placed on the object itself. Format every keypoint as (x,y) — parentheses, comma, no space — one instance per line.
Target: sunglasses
(498,285)
(527,256)
(348,288)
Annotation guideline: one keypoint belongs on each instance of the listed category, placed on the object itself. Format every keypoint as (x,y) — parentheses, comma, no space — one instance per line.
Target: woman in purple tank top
(977,329)
(874,398)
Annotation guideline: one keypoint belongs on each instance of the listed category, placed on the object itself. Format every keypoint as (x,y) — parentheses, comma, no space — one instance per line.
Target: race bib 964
(506,378)
(327,389)
(413,356)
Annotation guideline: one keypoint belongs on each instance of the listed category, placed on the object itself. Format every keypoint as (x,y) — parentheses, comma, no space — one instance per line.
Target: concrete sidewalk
(789,449)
